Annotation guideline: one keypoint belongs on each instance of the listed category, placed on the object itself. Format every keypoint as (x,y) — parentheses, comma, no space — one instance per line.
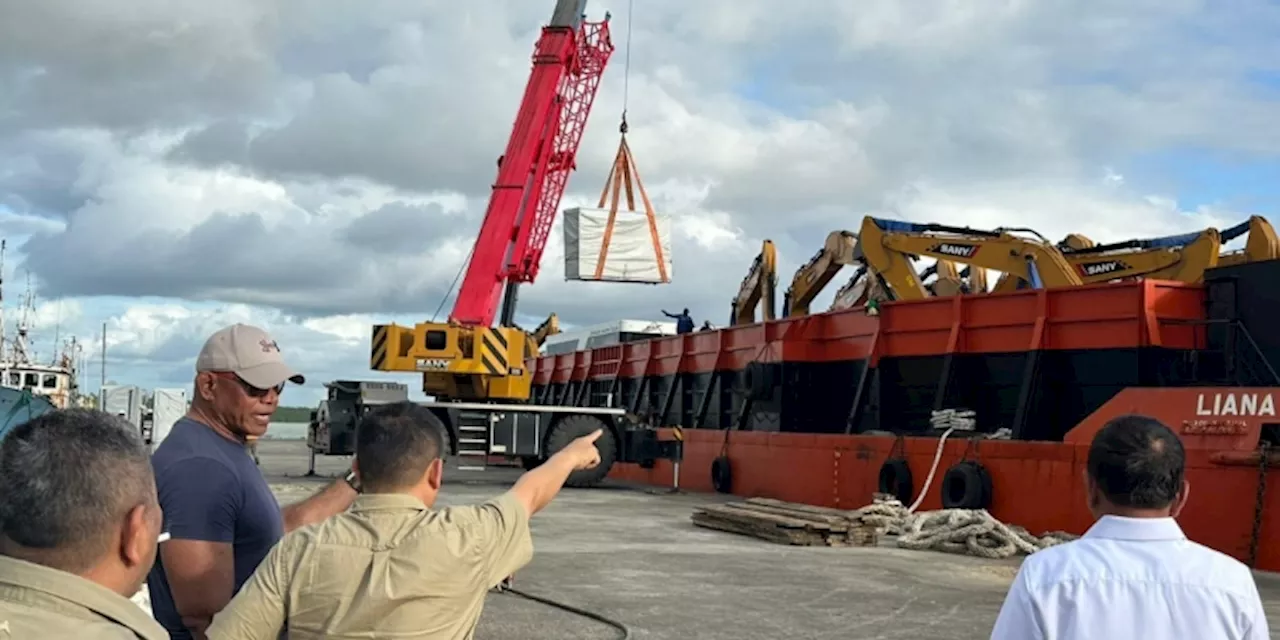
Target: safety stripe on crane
(493,352)
(378,356)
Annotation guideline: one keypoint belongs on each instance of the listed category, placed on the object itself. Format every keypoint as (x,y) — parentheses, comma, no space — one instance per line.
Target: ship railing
(1244,362)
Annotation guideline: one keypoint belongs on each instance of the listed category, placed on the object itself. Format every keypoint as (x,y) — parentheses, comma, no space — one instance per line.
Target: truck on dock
(479,432)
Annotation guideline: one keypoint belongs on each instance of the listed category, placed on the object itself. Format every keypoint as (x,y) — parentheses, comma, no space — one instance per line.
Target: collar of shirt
(78,592)
(386,502)
(1124,528)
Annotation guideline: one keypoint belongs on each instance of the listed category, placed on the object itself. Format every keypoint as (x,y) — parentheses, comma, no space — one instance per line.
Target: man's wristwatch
(353,480)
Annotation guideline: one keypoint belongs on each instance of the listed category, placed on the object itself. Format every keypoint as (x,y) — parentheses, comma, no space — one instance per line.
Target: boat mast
(20,353)
(2,336)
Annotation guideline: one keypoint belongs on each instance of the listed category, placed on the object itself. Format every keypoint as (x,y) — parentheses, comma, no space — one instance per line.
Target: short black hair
(395,443)
(1137,462)
(68,478)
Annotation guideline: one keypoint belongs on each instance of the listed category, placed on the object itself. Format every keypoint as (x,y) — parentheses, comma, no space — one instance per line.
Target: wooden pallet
(787,523)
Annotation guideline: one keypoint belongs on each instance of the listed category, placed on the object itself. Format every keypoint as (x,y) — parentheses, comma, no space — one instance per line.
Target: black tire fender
(758,380)
(966,485)
(895,480)
(722,474)
(573,427)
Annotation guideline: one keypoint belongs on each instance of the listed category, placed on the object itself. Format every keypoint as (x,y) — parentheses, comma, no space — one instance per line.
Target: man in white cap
(218,510)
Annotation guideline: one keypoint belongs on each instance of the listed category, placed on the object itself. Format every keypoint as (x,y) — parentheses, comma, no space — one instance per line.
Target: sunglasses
(250,390)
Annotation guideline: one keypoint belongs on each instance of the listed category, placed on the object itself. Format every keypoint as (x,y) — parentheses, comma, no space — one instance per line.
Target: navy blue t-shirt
(210,489)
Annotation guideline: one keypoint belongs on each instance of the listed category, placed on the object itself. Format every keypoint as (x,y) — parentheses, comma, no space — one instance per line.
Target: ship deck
(632,554)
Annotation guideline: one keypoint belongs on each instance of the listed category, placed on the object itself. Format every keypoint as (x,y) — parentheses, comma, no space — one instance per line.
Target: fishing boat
(832,408)
(57,379)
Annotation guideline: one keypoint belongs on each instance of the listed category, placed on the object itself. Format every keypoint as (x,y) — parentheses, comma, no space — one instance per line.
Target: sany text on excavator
(476,371)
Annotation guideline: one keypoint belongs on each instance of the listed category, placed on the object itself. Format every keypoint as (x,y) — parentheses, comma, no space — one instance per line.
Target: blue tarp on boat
(17,407)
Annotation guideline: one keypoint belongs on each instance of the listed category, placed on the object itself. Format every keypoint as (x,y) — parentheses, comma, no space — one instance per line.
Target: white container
(631,256)
(124,401)
(167,407)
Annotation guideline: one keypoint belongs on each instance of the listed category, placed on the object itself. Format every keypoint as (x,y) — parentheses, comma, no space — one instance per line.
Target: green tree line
(292,414)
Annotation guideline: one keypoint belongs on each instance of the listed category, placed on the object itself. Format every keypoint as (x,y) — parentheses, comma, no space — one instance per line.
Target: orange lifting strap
(620,179)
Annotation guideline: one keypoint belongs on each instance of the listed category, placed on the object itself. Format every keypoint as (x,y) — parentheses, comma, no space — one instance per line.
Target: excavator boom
(886,247)
(759,286)
(837,251)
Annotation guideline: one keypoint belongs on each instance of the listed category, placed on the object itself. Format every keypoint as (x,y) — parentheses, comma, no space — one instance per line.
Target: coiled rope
(964,531)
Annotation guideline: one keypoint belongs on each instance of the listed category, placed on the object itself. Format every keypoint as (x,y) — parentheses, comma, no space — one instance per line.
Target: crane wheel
(573,427)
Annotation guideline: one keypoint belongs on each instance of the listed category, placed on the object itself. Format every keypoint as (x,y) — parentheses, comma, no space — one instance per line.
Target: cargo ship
(830,408)
(833,407)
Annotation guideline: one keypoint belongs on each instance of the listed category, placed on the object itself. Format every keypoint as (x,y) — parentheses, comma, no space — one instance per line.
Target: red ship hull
(1038,485)
(800,406)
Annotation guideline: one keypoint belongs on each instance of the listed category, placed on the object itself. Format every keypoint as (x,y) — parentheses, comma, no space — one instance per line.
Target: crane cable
(626,70)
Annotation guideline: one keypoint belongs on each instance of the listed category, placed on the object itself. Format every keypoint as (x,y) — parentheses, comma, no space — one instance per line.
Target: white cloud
(317,167)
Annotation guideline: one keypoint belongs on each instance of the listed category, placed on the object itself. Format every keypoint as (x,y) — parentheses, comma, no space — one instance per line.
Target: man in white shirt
(1134,574)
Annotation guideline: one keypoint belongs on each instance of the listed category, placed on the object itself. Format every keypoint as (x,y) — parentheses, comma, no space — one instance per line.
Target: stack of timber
(788,523)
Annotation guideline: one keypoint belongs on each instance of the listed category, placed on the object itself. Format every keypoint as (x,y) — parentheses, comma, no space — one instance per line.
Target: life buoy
(895,480)
(722,474)
(966,485)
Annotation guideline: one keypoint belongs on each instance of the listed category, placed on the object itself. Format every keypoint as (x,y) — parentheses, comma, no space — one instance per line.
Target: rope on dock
(963,531)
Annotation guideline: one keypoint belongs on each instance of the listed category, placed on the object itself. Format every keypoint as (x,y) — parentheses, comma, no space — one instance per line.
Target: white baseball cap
(248,352)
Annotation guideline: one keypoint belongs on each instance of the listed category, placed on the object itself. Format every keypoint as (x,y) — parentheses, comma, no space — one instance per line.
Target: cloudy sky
(315,166)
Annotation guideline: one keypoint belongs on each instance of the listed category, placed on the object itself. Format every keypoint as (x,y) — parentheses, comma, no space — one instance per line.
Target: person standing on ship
(1134,574)
(79,521)
(218,509)
(684,321)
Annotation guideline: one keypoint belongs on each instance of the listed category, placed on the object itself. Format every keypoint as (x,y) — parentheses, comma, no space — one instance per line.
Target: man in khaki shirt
(79,522)
(391,566)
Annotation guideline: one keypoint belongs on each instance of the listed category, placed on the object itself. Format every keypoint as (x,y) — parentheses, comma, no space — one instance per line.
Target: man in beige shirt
(79,522)
(391,566)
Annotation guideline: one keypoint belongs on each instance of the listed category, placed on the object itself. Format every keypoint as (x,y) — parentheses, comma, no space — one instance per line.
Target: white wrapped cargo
(632,256)
(124,401)
(167,407)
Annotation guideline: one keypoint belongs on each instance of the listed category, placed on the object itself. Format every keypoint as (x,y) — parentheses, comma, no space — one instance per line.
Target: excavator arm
(1261,245)
(1182,258)
(548,328)
(886,247)
(951,281)
(758,287)
(816,274)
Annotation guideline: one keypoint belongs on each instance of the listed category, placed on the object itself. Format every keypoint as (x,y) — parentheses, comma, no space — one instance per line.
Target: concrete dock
(631,553)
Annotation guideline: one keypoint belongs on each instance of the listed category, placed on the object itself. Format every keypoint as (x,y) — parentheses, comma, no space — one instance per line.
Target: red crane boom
(568,62)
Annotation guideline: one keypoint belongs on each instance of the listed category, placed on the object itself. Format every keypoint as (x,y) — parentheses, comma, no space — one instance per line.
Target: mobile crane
(886,247)
(477,372)
(816,274)
(758,288)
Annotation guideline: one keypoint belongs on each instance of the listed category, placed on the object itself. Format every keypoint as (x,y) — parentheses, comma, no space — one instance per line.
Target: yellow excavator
(757,289)
(950,281)
(885,247)
(816,274)
(1261,245)
(548,328)
(1181,258)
